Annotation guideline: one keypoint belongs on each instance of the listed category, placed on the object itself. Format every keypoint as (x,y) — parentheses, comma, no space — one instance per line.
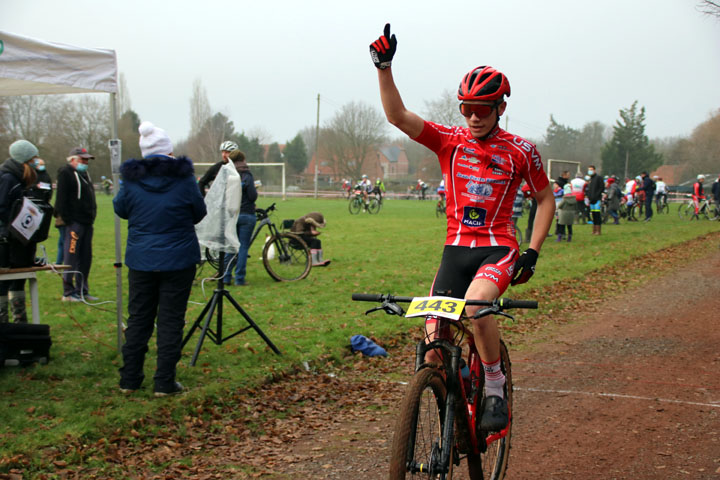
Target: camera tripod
(215,305)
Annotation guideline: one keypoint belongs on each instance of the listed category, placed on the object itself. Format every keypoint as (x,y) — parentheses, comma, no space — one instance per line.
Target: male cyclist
(225,148)
(483,167)
(698,194)
(366,187)
(660,192)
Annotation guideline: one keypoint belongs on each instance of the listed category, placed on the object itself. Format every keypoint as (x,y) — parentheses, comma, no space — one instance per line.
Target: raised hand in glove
(524,266)
(383,49)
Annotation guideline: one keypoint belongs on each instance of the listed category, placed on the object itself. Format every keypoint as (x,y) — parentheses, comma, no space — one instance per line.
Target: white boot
(317,260)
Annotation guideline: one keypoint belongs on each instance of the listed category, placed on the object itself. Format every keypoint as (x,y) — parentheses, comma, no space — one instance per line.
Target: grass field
(75,395)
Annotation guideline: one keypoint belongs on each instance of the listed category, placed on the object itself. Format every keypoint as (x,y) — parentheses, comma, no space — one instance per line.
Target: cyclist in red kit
(482,166)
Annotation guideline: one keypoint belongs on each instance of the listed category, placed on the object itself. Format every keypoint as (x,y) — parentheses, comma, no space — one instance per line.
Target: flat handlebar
(504,303)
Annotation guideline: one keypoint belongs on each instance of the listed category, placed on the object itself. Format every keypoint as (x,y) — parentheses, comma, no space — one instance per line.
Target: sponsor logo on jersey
(480,179)
(474,216)
(499,147)
(469,151)
(493,269)
(476,169)
(498,159)
(470,159)
(490,276)
(498,172)
(479,189)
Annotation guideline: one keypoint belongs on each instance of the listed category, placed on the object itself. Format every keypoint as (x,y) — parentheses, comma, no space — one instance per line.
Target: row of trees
(346,142)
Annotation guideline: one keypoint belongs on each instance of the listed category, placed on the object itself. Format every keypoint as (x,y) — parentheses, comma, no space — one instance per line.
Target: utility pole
(627,156)
(317,139)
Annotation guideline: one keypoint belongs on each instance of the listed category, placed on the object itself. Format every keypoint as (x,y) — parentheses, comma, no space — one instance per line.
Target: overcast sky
(263,63)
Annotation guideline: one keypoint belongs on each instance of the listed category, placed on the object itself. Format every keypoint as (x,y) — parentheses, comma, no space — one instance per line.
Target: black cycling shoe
(494,414)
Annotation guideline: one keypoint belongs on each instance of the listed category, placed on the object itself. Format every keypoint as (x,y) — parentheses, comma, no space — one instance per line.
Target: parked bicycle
(357,204)
(707,210)
(438,421)
(285,255)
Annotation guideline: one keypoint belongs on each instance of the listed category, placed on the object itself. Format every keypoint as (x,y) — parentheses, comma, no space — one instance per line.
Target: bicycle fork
(441,463)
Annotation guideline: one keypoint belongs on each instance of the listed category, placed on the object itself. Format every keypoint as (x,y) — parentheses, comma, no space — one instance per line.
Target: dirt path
(632,390)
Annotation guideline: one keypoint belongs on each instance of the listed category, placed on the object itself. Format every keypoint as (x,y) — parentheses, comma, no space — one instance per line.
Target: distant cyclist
(698,194)
(379,188)
(483,166)
(366,187)
(660,192)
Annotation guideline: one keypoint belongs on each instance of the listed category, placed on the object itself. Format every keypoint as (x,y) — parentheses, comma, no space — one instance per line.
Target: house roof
(391,152)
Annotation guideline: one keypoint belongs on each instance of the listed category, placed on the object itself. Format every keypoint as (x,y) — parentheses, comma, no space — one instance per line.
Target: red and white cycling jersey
(481,179)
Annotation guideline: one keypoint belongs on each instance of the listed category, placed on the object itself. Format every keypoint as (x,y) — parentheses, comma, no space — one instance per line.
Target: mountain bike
(285,255)
(438,420)
(357,204)
(661,204)
(707,211)
(440,208)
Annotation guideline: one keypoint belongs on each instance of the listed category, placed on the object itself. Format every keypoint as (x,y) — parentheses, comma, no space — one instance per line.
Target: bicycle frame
(263,215)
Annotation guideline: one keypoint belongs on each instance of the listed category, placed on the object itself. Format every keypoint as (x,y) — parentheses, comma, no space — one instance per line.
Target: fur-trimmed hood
(158,172)
(156,166)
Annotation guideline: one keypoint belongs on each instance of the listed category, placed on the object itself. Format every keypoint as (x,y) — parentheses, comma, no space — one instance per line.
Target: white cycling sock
(494,379)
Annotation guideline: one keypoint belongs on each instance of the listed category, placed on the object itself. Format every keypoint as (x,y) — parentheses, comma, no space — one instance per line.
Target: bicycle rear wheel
(355,206)
(286,257)
(440,210)
(495,459)
(373,206)
(418,441)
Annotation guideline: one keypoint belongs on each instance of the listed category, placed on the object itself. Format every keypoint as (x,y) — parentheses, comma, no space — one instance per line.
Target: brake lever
(389,308)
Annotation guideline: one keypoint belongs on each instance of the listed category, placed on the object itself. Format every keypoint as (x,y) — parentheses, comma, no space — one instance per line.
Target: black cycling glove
(383,49)
(525,266)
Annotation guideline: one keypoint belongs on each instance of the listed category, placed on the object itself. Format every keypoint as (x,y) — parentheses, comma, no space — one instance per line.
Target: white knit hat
(154,140)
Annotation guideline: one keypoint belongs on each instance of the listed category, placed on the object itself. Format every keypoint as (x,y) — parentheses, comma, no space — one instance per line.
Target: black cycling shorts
(461,265)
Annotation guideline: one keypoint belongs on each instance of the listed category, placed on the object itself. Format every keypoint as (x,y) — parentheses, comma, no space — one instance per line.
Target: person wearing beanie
(17,174)
(206,180)
(75,207)
(161,202)
(245,221)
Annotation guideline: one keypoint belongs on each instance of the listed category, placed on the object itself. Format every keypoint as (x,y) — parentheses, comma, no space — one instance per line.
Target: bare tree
(199,108)
(708,7)
(351,136)
(444,109)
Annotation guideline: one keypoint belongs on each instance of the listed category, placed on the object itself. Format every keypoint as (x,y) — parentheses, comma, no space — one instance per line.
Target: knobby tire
(495,459)
(418,430)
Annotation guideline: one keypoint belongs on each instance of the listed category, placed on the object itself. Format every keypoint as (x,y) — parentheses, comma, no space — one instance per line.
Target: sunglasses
(480,111)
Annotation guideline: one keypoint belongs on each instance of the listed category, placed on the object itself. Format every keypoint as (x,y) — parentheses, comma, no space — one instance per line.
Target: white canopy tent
(34,67)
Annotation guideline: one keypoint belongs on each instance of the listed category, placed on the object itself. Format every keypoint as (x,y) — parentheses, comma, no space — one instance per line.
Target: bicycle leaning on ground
(357,203)
(285,255)
(707,210)
(438,420)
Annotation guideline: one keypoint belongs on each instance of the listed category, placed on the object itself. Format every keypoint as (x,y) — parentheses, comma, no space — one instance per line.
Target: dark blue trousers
(161,295)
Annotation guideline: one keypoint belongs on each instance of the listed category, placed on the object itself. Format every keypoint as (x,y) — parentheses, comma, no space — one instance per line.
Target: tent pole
(118,239)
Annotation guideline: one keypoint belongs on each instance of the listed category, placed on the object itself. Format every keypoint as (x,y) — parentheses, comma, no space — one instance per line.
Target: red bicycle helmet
(484,83)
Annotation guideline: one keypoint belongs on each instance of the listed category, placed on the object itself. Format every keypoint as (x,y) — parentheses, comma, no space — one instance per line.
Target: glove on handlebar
(383,49)
(525,267)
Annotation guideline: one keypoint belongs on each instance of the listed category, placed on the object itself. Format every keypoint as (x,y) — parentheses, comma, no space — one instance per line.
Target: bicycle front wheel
(374,206)
(495,459)
(686,211)
(418,439)
(355,206)
(286,257)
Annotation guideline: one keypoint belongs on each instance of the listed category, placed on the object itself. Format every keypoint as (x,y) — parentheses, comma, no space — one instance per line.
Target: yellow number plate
(446,307)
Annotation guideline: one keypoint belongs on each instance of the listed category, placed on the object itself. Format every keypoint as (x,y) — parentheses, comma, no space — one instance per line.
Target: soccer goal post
(269,181)
(556,167)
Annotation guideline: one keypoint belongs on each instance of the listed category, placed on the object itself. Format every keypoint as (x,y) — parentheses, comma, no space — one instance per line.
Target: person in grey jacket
(567,209)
